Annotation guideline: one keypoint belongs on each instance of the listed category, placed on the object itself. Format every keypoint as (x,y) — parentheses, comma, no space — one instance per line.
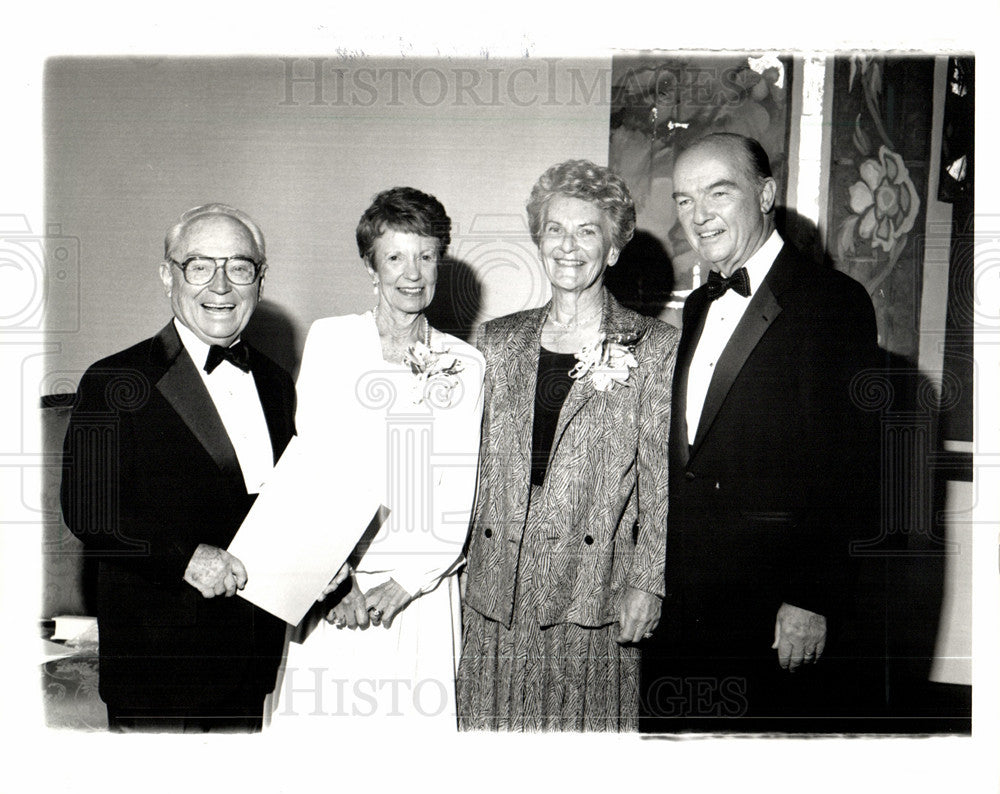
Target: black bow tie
(718,284)
(238,355)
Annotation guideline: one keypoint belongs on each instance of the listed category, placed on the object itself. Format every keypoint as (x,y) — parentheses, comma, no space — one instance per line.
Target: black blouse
(551,388)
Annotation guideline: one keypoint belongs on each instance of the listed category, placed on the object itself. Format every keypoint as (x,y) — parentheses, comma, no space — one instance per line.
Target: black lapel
(270,390)
(695,310)
(182,387)
(764,308)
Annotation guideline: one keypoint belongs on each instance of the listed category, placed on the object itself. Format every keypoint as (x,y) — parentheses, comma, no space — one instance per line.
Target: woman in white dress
(404,400)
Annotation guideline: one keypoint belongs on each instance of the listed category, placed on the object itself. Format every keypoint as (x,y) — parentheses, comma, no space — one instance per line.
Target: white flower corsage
(436,373)
(607,361)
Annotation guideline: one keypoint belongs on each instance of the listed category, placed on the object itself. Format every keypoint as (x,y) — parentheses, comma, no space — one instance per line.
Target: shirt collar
(195,347)
(760,263)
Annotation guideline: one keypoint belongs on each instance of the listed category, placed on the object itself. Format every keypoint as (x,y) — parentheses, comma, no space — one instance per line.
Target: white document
(69,627)
(51,651)
(307,519)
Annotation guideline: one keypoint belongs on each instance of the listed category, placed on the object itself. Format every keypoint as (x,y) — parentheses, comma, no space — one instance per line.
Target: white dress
(419,443)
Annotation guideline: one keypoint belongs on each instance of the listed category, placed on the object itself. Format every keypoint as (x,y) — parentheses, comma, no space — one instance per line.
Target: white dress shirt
(234,393)
(723,315)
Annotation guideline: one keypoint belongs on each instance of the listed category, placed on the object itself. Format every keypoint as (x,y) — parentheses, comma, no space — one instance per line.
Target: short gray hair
(755,161)
(588,181)
(214,209)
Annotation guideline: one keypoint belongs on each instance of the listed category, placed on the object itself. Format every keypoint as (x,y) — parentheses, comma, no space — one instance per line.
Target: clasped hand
(214,572)
(379,606)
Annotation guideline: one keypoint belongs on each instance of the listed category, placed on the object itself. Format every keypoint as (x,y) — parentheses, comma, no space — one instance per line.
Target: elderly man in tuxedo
(772,464)
(169,442)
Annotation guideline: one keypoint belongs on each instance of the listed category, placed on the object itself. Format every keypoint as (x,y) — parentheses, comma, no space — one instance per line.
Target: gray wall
(132,143)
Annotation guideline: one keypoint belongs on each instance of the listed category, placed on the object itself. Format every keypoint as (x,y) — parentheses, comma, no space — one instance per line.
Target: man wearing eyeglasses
(169,443)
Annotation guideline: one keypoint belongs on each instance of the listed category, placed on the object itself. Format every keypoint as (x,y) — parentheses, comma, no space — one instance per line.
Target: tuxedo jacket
(149,473)
(604,499)
(781,476)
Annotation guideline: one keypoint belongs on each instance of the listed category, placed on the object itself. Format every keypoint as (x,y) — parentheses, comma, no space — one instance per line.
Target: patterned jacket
(604,500)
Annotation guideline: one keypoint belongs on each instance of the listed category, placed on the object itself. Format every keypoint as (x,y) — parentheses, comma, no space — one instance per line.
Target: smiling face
(721,208)
(575,244)
(404,265)
(217,312)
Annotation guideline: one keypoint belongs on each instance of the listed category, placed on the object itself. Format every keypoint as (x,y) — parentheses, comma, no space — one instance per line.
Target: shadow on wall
(911,548)
(643,277)
(902,570)
(272,332)
(457,299)
(802,233)
(454,310)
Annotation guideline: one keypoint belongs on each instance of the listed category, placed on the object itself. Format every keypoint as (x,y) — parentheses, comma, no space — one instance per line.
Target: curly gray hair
(585,180)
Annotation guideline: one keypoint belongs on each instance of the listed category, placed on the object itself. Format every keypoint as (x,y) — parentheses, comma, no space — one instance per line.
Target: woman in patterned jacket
(566,555)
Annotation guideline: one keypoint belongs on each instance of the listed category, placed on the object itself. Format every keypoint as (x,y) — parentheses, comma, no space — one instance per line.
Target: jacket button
(718,487)
(588,540)
(689,475)
(488,532)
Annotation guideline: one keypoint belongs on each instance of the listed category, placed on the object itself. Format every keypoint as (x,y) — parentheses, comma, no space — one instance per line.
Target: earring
(375,286)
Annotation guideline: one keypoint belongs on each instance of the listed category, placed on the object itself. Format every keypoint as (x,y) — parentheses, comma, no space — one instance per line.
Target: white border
(86,762)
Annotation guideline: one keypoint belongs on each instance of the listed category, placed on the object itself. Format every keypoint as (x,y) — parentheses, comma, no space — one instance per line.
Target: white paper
(304,524)
(69,627)
(51,651)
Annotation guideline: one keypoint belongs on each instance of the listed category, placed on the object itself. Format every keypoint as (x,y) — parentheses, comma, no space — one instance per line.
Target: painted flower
(884,199)
(607,361)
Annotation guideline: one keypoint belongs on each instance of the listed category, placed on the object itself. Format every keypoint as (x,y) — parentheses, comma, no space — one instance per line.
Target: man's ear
(167,278)
(767,194)
(260,282)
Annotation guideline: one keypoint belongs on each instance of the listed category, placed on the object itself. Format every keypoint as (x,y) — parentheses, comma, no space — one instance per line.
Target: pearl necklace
(427,325)
(572,323)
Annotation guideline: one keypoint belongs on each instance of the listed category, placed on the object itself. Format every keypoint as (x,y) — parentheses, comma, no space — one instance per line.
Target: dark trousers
(237,715)
(723,693)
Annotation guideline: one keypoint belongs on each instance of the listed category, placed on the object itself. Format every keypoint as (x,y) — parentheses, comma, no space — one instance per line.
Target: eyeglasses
(200,270)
